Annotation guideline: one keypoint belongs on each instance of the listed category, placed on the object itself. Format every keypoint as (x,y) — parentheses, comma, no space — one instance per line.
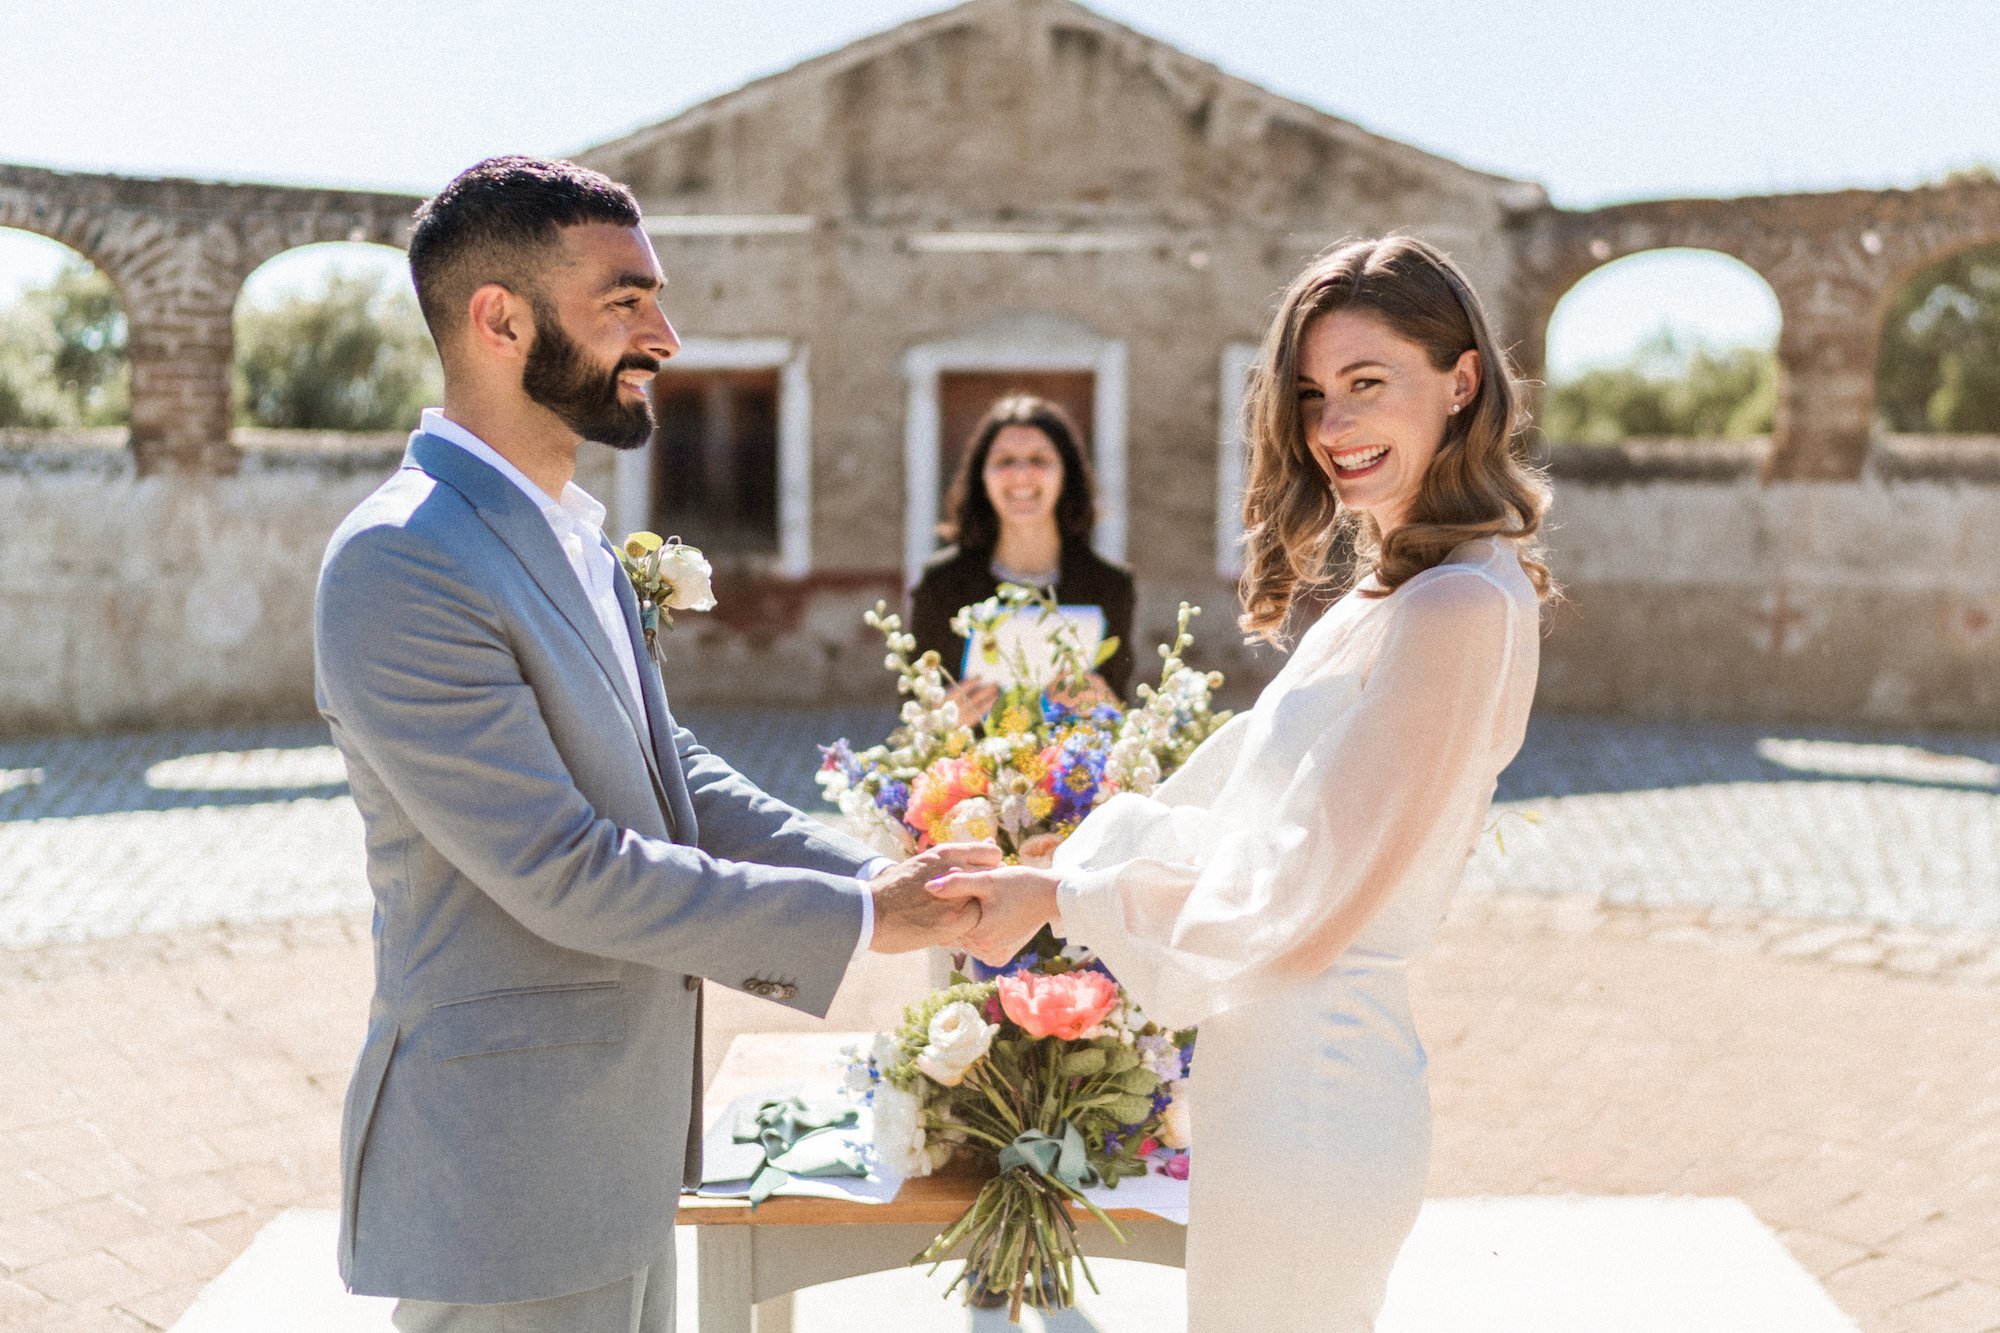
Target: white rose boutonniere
(959,1039)
(667,576)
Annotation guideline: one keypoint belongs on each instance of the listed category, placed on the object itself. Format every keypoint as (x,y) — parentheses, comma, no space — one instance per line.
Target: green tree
(354,356)
(1940,366)
(1667,389)
(63,361)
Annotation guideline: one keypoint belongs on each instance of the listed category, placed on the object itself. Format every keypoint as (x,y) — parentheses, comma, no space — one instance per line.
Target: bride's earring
(1453,409)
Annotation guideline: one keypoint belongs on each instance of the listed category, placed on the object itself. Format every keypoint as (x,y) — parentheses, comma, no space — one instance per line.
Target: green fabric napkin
(800,1136)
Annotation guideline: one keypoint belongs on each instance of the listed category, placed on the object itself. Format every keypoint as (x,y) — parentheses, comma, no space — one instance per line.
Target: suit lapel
(517,522)
(679,807)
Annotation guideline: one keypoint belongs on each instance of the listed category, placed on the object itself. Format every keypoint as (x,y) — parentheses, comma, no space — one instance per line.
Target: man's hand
(908,917)
(1015,901)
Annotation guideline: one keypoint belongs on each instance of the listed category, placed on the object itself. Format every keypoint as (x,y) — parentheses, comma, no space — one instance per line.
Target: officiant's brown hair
(1477,485)
(970,519)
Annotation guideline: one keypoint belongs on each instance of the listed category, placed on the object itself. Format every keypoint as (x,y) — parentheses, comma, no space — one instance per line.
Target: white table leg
(722,1281)
(775,1315)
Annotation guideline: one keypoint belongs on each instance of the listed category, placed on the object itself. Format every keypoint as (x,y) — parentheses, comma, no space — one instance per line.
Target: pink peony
(937,790)
(1064,1006)
(1176,1166)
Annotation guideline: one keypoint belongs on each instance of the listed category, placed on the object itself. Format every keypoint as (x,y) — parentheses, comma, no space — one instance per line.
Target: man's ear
(500,322)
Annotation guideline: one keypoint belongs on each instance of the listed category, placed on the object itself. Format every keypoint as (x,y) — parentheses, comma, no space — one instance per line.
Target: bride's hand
(1014,902)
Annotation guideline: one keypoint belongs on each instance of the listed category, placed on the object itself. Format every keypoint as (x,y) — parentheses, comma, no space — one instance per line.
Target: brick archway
(178,252)
(1834,261)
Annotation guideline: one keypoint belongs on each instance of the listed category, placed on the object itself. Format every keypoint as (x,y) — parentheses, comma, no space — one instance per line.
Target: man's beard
(585,397)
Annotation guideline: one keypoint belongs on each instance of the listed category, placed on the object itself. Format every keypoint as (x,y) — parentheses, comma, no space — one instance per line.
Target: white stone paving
(110,836)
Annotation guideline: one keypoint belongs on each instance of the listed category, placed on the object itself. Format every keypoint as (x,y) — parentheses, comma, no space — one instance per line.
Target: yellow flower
(639,545)
(954,744)
(1040,805)
(1015,722)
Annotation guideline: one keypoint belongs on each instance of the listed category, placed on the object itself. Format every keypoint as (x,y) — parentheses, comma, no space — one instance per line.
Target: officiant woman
(1020,510)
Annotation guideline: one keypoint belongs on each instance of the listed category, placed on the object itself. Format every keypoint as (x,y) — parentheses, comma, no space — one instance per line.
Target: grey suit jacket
(549,884)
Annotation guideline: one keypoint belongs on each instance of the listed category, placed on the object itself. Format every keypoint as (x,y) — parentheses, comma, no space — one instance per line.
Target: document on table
(1160,1195)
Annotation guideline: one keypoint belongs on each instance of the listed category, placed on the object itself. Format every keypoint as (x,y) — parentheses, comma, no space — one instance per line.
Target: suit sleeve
(416,675)
(741,821)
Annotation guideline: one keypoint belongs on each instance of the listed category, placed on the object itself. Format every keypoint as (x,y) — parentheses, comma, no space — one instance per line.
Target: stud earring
(1453,409)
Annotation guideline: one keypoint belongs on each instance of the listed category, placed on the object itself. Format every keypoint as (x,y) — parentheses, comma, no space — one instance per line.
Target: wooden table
(750,1262)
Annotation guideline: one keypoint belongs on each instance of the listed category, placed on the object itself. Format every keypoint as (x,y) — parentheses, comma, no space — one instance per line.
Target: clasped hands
(959,895)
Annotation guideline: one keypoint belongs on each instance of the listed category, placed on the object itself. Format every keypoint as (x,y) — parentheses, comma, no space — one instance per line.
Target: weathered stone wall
(1862,602)
(136,600)
(132,600)
(1022,174)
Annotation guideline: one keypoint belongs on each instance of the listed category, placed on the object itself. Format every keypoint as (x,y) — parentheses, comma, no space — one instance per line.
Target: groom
(556,863)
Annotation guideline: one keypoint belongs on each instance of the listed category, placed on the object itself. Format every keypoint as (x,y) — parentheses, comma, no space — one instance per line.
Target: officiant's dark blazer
(954,579)
(554,871)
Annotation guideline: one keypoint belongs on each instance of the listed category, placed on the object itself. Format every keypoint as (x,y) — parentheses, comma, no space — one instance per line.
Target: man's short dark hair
(499,221)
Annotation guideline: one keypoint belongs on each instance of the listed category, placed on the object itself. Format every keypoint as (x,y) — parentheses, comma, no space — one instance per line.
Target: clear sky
(1598,102)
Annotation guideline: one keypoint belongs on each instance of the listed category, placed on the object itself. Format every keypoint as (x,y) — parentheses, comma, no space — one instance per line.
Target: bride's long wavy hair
(1477,485)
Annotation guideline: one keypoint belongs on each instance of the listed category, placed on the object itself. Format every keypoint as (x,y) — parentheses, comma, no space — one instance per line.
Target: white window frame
(634,490)
(1019,342)
(1231,456)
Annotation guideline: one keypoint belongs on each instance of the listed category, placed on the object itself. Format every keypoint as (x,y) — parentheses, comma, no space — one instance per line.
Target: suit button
(692,983)
(784,990)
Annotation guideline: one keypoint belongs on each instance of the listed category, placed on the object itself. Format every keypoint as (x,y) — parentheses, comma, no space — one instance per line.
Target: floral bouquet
(1045,1077)
(667,576)
(1047,1080)
(1025,777)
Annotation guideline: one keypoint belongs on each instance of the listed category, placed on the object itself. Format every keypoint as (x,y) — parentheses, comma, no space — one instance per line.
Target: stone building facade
(862,248)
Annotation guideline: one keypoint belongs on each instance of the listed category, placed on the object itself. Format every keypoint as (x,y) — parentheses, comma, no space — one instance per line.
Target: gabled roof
(1190,79)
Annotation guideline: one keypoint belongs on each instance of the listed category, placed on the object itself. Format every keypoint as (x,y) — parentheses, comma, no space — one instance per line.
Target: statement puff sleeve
(1197,906)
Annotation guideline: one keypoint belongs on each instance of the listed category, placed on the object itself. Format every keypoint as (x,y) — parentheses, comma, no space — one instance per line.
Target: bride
(1273,889)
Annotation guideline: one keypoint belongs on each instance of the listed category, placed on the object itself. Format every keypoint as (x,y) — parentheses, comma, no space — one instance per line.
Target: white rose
(899,1133)
(1176,1131)
(971,820)
(960,1036)
(686,573)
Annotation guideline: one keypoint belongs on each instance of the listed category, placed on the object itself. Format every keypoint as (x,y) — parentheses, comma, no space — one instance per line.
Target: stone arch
(316,271)
(114,329)
(1834,260)
(178,252)
(1696,275)
(1977,382)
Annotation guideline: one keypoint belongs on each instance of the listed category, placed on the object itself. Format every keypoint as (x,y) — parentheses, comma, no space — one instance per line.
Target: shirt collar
(576,503)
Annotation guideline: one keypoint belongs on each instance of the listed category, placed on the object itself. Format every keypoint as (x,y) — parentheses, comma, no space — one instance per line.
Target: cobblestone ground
(1760,963)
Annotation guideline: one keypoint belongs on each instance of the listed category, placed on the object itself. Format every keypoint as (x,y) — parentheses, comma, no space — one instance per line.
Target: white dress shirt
(577,519)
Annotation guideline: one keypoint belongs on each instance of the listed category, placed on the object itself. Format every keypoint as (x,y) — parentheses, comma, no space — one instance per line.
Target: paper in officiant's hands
(1025,642)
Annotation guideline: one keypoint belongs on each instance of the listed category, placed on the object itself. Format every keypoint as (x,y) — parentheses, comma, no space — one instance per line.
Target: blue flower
(894,797)
(839,757)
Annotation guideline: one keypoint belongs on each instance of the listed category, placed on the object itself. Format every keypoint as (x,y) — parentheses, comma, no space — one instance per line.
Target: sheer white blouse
(1335,817)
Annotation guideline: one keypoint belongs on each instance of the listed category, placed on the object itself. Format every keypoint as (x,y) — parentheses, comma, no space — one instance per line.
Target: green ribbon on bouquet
(1063,1160)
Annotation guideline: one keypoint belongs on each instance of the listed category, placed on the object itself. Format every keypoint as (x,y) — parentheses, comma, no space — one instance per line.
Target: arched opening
(1677,344)
(63,361)
(329,337)
(1939,372)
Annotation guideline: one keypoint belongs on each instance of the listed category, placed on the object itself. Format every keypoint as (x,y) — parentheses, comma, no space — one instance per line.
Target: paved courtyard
(1762,963)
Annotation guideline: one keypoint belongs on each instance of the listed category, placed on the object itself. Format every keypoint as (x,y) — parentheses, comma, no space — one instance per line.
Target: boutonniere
(666,577)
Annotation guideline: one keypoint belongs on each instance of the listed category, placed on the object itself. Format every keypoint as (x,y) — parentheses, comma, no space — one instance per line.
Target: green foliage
(1694,392)
(354,356)
(63,361)
(1940,366)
